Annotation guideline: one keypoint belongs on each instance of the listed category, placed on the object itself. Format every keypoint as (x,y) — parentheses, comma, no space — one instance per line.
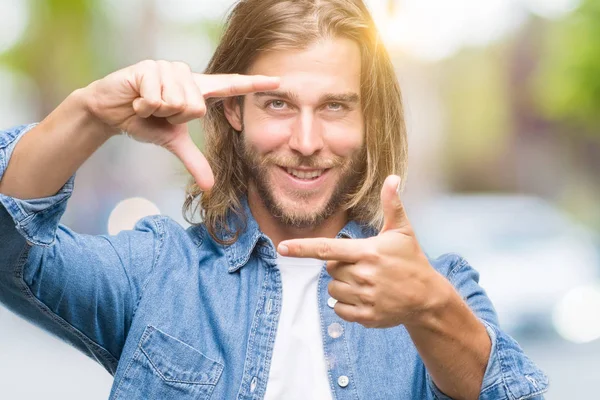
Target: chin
(309,211)
(301,213)
(302,202)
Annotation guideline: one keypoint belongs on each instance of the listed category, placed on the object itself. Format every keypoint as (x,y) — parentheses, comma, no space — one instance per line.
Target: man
(304,279)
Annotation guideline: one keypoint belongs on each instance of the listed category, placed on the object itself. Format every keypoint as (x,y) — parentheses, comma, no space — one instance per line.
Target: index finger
(194,161)
(229,85)
(346,250)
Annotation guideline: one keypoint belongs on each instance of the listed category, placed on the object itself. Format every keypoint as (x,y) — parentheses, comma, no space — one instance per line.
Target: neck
(278,232)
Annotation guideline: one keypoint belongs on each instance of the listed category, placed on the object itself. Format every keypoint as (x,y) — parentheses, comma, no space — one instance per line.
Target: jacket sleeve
(510,374)
(83,289)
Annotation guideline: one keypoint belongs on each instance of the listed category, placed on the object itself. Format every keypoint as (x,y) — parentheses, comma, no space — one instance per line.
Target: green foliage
(58,50)
(476,94)
(568,83)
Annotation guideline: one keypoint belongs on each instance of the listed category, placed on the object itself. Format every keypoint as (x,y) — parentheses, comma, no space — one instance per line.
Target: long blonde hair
(255,26)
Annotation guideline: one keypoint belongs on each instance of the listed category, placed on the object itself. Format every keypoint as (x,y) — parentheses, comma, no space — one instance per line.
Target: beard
(258,169)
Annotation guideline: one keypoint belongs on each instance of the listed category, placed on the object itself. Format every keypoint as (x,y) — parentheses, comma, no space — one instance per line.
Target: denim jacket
(172,314)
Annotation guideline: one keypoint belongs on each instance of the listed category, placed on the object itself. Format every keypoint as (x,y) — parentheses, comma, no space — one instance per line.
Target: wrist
(437,305)
(85,100)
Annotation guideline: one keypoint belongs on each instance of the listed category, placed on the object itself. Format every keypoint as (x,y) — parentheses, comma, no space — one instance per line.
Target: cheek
(345,140)
(266,134)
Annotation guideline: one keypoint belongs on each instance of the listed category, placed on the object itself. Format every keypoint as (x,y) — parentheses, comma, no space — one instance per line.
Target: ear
(233,112)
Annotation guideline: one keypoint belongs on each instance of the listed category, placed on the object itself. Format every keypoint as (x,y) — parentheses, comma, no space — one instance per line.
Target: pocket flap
(176,361)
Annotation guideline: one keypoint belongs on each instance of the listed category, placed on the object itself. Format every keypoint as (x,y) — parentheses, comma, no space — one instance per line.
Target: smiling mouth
(306,175)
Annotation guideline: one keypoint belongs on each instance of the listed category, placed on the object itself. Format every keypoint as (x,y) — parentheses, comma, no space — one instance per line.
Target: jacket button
(335,330)
(343,381)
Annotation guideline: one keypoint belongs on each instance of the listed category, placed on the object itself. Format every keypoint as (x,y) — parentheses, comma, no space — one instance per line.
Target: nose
(307,135)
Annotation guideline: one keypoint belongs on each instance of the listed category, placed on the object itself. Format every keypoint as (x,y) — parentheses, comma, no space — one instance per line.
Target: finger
(347,312)
(331,266)
(394,214)
(342,291)
(340,271)
(347,250)
(149,84)
(228,85)
(172,94)
(194,161)
(195,106)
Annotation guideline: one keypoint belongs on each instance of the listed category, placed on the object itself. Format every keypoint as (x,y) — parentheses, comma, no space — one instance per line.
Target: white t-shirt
(298,368)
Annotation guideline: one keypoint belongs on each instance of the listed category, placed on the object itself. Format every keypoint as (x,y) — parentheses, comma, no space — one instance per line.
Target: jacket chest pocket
(165,368)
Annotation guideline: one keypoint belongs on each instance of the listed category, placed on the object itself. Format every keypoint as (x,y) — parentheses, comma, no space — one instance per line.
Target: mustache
(299,161)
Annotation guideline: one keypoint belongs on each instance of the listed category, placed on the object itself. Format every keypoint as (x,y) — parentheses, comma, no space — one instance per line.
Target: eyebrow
(285,95)
(349,97)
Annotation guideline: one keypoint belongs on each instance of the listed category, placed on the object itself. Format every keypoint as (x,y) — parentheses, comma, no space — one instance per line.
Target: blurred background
(502,104)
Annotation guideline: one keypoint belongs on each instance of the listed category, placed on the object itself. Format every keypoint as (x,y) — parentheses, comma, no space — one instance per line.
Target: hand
(381,281)
(153,100)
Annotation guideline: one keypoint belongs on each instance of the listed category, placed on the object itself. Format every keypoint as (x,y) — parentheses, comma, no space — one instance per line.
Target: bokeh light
(552,8)
(576,317)
(128,212)
(186,11)
(433,30)
(15,16)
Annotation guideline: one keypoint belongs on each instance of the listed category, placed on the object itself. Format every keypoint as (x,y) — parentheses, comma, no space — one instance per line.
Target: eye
(276,104)
(335,106)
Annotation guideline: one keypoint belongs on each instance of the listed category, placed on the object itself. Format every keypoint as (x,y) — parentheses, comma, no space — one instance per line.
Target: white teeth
(304,174)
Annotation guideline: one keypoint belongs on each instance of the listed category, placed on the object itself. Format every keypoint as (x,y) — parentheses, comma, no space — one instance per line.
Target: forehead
(328,66)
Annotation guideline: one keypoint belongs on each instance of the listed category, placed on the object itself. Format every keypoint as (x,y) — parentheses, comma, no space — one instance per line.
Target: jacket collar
(251,238)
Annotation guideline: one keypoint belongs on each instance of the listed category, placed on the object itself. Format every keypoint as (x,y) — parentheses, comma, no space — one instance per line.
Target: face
(303,144)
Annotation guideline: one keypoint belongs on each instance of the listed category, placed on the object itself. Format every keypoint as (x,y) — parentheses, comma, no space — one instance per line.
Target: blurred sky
(428,29)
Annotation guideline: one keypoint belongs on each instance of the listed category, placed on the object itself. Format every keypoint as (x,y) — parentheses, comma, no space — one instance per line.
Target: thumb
(394,214)
(192,158)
